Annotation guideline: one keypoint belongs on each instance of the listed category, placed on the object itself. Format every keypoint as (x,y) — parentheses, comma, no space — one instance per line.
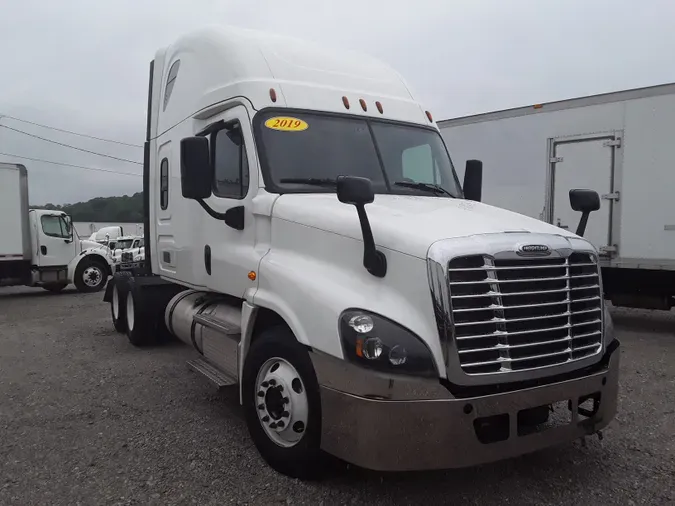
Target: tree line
(125,209)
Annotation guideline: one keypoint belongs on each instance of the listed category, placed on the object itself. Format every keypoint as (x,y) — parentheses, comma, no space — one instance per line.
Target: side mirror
(584,201)
(358,191)
(195,168)
(473,180)
(355,190)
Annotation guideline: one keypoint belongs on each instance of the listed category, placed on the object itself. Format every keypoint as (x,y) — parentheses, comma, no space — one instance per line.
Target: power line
(71,132)
(70,165)
(69,146)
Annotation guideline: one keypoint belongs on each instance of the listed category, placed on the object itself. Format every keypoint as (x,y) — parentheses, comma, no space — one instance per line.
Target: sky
(83,66)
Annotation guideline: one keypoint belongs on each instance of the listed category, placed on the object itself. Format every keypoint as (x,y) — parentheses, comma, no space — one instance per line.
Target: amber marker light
(252,275)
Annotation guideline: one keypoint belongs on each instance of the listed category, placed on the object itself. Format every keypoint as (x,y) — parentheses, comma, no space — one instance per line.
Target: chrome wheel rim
(281,402)
(92,276)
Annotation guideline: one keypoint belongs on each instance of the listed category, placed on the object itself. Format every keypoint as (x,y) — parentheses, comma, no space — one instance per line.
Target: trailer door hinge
(612,196)
(612,143)
(555,159)
(608,249)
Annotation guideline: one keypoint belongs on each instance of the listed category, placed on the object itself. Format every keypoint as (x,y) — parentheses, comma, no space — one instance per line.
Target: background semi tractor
(307,234)
(39,247)
(617,144)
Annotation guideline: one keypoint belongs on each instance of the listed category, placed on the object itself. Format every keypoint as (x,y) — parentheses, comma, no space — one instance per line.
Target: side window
(170,81)
(164,184)
(231,174)
(419,165)
(54,226)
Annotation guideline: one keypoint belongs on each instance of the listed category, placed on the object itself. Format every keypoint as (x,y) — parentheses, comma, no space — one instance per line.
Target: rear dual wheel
(118,309)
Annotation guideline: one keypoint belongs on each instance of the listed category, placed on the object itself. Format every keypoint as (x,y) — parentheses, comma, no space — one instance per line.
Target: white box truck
(39,247)
(617,144)
(307,234)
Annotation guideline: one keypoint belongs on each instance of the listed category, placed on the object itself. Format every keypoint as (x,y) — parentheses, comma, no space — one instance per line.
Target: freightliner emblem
(534,250)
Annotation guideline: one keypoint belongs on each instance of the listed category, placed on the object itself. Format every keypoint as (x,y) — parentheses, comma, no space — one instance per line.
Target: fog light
(372,348)
(398,355)
(361,323)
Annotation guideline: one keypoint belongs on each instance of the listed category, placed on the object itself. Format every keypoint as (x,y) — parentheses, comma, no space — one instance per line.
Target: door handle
(43,250)
(207,259)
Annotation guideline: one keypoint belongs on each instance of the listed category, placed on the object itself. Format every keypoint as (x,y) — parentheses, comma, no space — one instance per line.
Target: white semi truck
(39,247)
(617,144)
(307,234)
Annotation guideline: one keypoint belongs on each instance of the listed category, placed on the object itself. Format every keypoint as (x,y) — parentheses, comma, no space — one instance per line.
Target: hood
(409,224)
(87,244)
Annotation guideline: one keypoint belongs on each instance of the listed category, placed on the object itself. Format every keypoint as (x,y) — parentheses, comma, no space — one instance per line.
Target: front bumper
(419,426)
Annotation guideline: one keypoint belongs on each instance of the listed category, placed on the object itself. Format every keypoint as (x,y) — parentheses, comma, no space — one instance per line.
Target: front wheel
(90,276)
(282,404)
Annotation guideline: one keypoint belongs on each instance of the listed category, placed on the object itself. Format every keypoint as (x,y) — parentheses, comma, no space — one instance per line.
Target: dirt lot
(87,419)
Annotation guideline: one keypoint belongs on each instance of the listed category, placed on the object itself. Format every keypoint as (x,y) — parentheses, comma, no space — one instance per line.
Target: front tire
(90,276)
(282,404)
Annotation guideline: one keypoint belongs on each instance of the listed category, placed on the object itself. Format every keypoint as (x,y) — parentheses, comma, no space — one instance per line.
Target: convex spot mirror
(355,190)
(584,200)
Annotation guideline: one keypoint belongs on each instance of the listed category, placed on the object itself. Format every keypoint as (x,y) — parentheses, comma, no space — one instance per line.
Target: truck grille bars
(516,306)
(524,314)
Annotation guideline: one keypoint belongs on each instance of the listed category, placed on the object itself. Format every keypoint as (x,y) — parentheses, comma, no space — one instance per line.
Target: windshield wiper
(425,186)
(309,180)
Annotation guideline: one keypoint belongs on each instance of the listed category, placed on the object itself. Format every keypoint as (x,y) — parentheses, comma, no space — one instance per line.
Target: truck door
(56,246)
(584,163)
(228,244)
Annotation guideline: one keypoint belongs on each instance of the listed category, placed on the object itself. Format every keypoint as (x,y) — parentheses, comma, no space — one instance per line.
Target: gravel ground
(87,419)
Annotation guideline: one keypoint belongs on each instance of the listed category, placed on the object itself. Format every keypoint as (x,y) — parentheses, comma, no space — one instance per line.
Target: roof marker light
(431,119)
(379,107)
(273,95)
(363,104)
(538,106)
(345,101)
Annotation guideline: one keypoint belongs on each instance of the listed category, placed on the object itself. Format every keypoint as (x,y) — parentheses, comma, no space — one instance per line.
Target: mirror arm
(233,217)
(373,260)
(581,228)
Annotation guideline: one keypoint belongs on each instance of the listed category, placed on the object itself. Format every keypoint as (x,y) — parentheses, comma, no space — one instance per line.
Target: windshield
(397,158)
(123,243)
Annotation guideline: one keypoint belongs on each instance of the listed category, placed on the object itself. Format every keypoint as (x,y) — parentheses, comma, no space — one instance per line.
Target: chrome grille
(127,256)
(520,314)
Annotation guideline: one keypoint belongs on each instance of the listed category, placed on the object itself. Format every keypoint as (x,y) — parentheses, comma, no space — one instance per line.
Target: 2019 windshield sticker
(286,124)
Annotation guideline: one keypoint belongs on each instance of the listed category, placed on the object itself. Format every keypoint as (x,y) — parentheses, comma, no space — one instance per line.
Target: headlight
(375,342)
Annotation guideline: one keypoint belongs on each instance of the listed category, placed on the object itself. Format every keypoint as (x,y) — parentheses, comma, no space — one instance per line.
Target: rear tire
(118,310)
(55,287)
(90,276)
(295,449)
(139,326)
(118,301)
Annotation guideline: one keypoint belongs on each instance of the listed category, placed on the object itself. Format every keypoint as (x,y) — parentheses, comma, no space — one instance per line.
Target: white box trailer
(14,233)
(618,144)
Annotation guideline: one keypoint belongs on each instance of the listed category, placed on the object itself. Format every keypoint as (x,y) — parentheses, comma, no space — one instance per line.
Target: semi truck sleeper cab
(306,233)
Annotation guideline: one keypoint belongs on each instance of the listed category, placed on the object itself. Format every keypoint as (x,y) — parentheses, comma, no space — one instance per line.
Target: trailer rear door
(584,163)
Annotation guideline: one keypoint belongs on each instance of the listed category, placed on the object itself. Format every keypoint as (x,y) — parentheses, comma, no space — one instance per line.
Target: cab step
(212,373)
